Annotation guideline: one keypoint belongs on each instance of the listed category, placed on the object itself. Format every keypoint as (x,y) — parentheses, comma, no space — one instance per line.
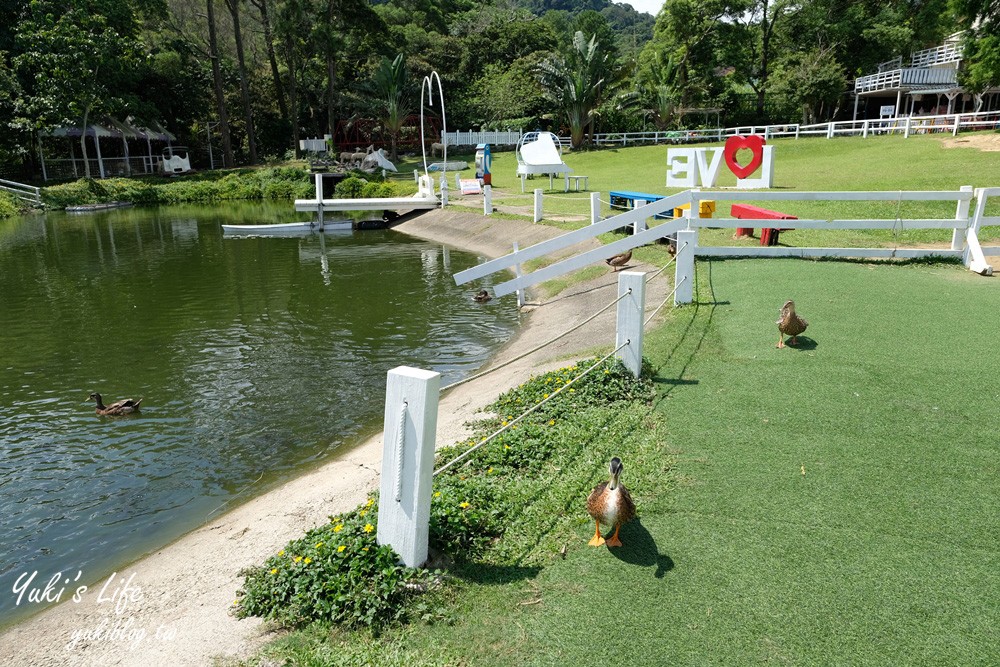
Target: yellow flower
(341,548)
(463,505)
(365,549)
(281,553)
(339,527)
(371,501)
(572,391)
(307,560)
(506,446)
(368,528)
(545,396)
(503,423)
(552,422)
(274,570)
(362,512)
(489,470)
(298,558)
(319,544)
(437,494)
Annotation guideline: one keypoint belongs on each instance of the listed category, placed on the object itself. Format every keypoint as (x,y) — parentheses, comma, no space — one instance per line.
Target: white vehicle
(176,160)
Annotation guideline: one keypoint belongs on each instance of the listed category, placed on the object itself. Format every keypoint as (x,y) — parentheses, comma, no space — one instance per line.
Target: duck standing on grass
(619,260)
(124,407)
(789,324)
(610,503)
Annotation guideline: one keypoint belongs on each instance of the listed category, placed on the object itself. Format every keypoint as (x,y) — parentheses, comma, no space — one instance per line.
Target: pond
(256,358)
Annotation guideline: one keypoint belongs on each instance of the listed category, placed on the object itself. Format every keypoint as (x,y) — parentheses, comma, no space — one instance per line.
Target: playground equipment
(540,153)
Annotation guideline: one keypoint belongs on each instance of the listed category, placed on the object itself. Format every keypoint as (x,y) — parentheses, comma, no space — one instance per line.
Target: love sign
(687,167)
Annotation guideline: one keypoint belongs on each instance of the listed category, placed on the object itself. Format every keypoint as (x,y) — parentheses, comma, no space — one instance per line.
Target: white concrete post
(630,314)
(517,272)
(687,241)
(954,131)
(961,213)
(595,207)
(538,204)
(416,177)
(458,182)
(404,509)
(444,191)
(906,130)
(487,200)
(864,130)
(829,131)
(797,127)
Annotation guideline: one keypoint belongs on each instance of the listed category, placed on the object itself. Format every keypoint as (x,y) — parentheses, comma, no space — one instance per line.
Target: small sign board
(887,110)
(471,186)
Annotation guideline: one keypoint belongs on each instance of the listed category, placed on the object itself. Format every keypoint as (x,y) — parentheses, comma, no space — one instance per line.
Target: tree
(234,12)
(981,52)
(813,80)
(220,97)
(578,82)
(79,56)
(391,84)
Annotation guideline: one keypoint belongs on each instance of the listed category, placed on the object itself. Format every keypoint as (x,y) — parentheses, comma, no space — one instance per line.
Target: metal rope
(535,349)
(663,303)
(527,412)
(400,436)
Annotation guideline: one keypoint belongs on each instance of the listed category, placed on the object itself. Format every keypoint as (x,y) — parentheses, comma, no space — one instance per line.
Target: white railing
(28,193)
(904,125)
(946,53)
(471,138)
(964,241)
(907,76)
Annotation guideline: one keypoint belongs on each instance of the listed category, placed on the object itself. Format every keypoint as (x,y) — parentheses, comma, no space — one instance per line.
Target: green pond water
(256,357)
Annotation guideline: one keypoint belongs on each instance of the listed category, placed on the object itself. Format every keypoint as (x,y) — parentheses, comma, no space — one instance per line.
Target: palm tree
(579,82)
(393,88)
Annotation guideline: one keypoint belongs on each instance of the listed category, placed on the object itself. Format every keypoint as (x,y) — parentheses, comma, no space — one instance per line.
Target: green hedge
(8,206)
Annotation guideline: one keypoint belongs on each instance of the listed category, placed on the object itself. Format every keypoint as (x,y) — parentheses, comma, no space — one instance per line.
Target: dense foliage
(337,573)
(258,75)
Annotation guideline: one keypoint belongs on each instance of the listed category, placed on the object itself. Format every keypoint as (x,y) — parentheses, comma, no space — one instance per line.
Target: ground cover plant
(8,206)
(832,503)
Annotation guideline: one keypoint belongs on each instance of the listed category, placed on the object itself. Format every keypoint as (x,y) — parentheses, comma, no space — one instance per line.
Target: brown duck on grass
(610,503)
(789,324)
(619,260)
(124,407)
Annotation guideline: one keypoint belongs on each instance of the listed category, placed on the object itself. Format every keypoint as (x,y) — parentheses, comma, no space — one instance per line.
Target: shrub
(350,188)
(8,206)
(334,573)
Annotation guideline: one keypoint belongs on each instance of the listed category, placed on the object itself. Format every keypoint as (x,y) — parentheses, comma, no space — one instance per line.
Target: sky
(649,6)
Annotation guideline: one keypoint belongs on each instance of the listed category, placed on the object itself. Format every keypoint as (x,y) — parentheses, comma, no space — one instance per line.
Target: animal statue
(124,407)
(610,503)
(345,156)
(437,149)
(789,324)
(619,260)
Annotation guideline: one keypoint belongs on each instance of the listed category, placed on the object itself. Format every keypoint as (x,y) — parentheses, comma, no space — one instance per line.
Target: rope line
(491,437)
(400,436)
(664,302)
(897,221)
(664,267)
(535,349)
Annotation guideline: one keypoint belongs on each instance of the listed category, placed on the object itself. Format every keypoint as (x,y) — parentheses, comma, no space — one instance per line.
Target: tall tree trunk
(234,10)
(83,143)
(331,68)
(293,94)
(279,89)
(220,101)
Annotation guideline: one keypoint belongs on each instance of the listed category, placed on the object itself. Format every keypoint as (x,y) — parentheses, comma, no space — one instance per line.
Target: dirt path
(174,610)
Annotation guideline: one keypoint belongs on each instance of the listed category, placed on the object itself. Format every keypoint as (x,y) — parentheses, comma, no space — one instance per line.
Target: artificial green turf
(884,552)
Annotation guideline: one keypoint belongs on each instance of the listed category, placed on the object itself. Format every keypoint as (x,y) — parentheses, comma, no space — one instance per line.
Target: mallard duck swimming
(619,260)
(789,324)
(610,503)
(124,407)
(482,297)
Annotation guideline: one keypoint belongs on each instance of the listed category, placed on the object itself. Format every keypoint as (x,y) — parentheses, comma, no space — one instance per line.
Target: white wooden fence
(471,138)
(965,227)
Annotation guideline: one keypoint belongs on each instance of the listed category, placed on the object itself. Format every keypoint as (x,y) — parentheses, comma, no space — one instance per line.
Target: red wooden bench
(768,235)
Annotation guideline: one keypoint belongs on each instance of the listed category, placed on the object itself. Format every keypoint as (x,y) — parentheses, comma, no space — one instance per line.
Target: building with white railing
(927,86)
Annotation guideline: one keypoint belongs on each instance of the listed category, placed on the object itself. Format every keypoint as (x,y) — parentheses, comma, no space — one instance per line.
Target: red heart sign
(733,144)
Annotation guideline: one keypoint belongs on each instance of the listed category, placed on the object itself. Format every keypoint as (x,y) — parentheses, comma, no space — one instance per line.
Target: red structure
(768,235)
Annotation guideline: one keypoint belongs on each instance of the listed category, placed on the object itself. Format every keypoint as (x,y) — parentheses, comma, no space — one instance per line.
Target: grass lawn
(832,504)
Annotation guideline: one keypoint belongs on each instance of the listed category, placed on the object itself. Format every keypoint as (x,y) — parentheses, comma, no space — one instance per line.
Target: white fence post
(517,272)
(906,131)
(595,207)
(487,200)
(640,225)
(973,256)
(538,204)
(630,314)
(444,191)
(687,241)
(458,182)
(404,509)
(954,131)
(416,176)
(961,213)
